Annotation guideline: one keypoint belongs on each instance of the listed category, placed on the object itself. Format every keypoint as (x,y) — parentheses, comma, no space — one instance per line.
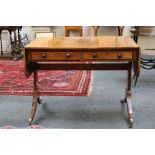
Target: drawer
(49,56)
(94,55)
(107,55)
(120,55)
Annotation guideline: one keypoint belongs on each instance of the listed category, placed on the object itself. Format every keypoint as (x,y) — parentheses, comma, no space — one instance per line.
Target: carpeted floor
(102,109)
(50,83)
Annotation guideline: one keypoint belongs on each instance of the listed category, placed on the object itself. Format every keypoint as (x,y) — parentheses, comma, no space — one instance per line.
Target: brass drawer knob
(119,56)
(43,55)
(68,55)
(94,55)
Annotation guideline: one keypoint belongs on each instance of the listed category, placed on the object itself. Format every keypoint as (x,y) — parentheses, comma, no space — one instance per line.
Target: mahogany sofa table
(110,53)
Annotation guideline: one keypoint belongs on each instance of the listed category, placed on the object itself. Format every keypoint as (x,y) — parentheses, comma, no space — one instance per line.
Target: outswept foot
(34,107)
(130,122)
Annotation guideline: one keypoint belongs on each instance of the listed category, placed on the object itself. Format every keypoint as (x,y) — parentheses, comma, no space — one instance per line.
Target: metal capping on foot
(130,122)
(30,121)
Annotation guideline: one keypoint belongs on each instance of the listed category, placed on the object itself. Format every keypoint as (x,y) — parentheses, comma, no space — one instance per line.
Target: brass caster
(130,123)
(30,121)
(39,100)
(123,100)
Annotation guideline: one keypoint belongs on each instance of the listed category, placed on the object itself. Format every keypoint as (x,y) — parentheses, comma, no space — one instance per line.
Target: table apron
(103,66)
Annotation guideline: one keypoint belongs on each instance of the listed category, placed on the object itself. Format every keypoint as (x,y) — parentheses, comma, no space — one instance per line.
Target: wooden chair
(15,41)
(95,29)
(119,28)
(73,28)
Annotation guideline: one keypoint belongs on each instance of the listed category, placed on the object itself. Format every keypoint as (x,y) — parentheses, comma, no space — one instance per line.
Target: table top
(103,42)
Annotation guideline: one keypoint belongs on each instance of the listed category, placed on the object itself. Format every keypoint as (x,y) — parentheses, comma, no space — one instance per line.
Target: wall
(87,31)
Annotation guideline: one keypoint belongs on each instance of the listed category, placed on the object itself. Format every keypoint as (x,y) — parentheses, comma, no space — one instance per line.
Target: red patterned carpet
(51,83)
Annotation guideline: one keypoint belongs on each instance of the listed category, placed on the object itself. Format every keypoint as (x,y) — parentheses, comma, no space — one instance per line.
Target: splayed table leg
(36,99)
(127,98)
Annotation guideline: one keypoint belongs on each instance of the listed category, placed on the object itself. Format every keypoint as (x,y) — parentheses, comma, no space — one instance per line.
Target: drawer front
(107,55)
(94,55)
(55,56)
(120,55)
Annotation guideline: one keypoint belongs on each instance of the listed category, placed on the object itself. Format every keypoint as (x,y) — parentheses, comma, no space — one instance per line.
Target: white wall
(87,31)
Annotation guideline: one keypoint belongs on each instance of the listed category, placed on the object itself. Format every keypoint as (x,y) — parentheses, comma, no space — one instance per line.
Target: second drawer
(107,55)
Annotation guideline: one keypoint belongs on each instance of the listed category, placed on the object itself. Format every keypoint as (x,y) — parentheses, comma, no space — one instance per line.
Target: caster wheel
(130,123)
(39,100)
(123,101)
(30,121)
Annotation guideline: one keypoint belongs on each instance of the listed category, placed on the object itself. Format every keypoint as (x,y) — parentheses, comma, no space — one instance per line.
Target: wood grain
(114,42)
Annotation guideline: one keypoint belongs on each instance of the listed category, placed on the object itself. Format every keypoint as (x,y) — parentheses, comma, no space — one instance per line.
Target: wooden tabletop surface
(83,43)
